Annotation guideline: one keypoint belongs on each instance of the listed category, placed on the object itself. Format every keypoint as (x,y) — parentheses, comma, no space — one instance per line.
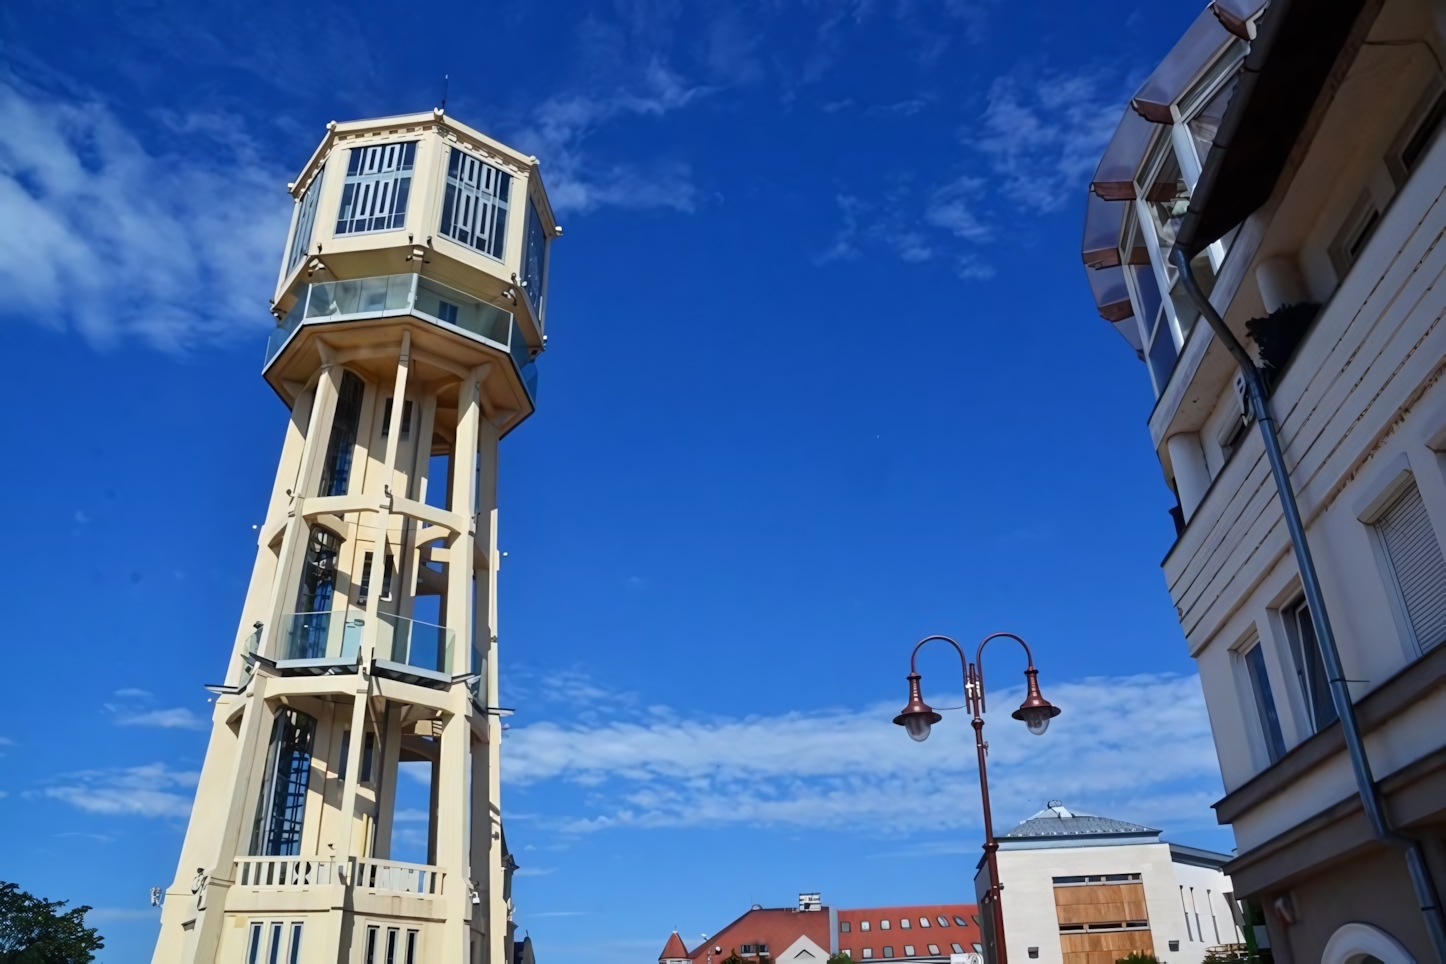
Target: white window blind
(1417,562)
(378,181)
(474,210)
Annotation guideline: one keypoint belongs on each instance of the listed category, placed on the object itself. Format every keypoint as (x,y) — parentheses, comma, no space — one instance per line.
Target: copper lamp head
(918,717)
(1035,711)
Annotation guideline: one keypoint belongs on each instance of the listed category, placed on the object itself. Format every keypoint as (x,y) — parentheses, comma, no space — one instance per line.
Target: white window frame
(303,221)
(1257,728)
(377,173)
(1372,517)
(473,198)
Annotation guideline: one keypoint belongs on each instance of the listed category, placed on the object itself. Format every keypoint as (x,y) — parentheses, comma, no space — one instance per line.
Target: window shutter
(1418,564)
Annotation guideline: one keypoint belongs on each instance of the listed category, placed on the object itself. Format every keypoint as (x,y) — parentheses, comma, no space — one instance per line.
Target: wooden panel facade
(1100,903)
(1105,948)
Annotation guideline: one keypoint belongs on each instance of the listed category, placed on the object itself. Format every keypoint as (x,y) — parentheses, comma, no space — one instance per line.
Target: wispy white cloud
(153,790)
(115,238)
(867,224)
(854,769)
(1044,134)
(179,718)
(133,694)
(101,915)
(576,182)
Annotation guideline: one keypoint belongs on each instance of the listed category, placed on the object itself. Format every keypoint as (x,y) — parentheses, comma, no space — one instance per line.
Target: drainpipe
(1421,881)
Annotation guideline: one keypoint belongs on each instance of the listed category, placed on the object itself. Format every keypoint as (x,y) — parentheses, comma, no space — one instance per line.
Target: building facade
(1082,889)
(1292,153)
(812,932)
(410,309)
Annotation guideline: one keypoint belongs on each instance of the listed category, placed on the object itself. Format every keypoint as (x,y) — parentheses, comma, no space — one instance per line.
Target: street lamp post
(918,718)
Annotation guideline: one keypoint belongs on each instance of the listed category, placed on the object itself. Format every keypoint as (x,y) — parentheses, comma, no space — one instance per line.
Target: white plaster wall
(1029,916)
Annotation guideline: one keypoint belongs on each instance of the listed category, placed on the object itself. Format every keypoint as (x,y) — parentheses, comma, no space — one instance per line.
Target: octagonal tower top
(416,214)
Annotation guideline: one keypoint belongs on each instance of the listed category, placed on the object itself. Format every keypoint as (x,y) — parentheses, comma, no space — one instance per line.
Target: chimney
(810,901)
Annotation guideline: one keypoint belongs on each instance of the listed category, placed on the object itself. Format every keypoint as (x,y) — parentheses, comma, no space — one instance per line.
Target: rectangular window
(411,947)
(305,219)
(340,447)
(943,921)
(378,181)
(534,260)
(371,945)
(294,952)
(406,419)
(904,923)
(908,950)
(863,925)
(883,925)
(933,948)
(958,949)
(924,922)
(474,210)
(392,945)
(1309,669)
(369,747)
(274,957)
(844,927)
(253,948)
(1264,702)
(387,569)
(868,953)
(1417,565)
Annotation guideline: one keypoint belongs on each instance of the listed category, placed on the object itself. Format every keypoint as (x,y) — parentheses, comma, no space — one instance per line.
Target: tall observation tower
(410,303)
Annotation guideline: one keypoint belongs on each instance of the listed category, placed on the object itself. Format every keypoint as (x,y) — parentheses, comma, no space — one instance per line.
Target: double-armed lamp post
(1035,712)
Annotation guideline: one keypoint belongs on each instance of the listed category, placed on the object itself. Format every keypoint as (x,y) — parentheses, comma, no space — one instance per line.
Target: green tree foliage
(1228,954)
(35,931)
(840,958)
(1135,957)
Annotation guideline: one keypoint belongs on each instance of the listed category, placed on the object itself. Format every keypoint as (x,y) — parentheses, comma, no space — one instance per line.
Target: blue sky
(824,377)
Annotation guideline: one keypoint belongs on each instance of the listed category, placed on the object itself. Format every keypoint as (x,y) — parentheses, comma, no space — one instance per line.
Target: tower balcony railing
(414,647)
(330,636)
(363,873)
(397,295)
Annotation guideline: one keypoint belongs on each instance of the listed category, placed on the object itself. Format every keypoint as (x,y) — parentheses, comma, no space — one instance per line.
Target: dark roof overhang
(1297,48)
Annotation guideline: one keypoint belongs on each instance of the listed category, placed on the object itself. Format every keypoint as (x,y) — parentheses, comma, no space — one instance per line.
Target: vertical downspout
(1421,880)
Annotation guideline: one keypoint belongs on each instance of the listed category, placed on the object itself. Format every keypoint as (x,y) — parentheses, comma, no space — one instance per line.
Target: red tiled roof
(674,949)
(776,927)
(917,935)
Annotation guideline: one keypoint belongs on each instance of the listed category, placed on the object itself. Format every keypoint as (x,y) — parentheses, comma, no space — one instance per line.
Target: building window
(908,950)
(933,948)
(1265,710)
(868,953)
(863,925)
(406,405)
(281,808)
(378,180)
(883,925)
(311,626)
(924,922)
(534,260)
(958,949)
(392,935)
(1034,952)
(844,927)
(888,950)
(904,923)
(253,947)
(387,570)
(371,952)
(474,211)
(305,218)
(340,448)
(960,921)
(1154,320)
(1174,945)
(1417,566)
(411,947)
(1309,669)
(943,921)
(294,953)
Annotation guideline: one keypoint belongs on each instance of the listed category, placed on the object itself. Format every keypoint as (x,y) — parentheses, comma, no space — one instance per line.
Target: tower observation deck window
(378,181)
(534,260)
(474,211)
(305,220)
(282,807)
(336,473)
(314,595)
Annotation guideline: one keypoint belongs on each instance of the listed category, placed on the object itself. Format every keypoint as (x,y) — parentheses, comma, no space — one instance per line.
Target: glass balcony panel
(455,308)
(399,291)
(323,635)
(411,642)
(373,294)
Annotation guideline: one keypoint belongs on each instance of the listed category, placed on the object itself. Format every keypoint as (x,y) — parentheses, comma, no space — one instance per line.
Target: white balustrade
(393,875)
(285,873)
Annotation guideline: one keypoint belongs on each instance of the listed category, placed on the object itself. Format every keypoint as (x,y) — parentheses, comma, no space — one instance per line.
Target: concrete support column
(1192,477)
(449,776)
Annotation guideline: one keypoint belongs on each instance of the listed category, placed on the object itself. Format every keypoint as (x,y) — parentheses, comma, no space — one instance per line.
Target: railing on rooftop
(366,873)
(394,875)
(286,873)
(389,296)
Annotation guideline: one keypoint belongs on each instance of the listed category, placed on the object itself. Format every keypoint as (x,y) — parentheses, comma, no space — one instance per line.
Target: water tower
(410,305)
